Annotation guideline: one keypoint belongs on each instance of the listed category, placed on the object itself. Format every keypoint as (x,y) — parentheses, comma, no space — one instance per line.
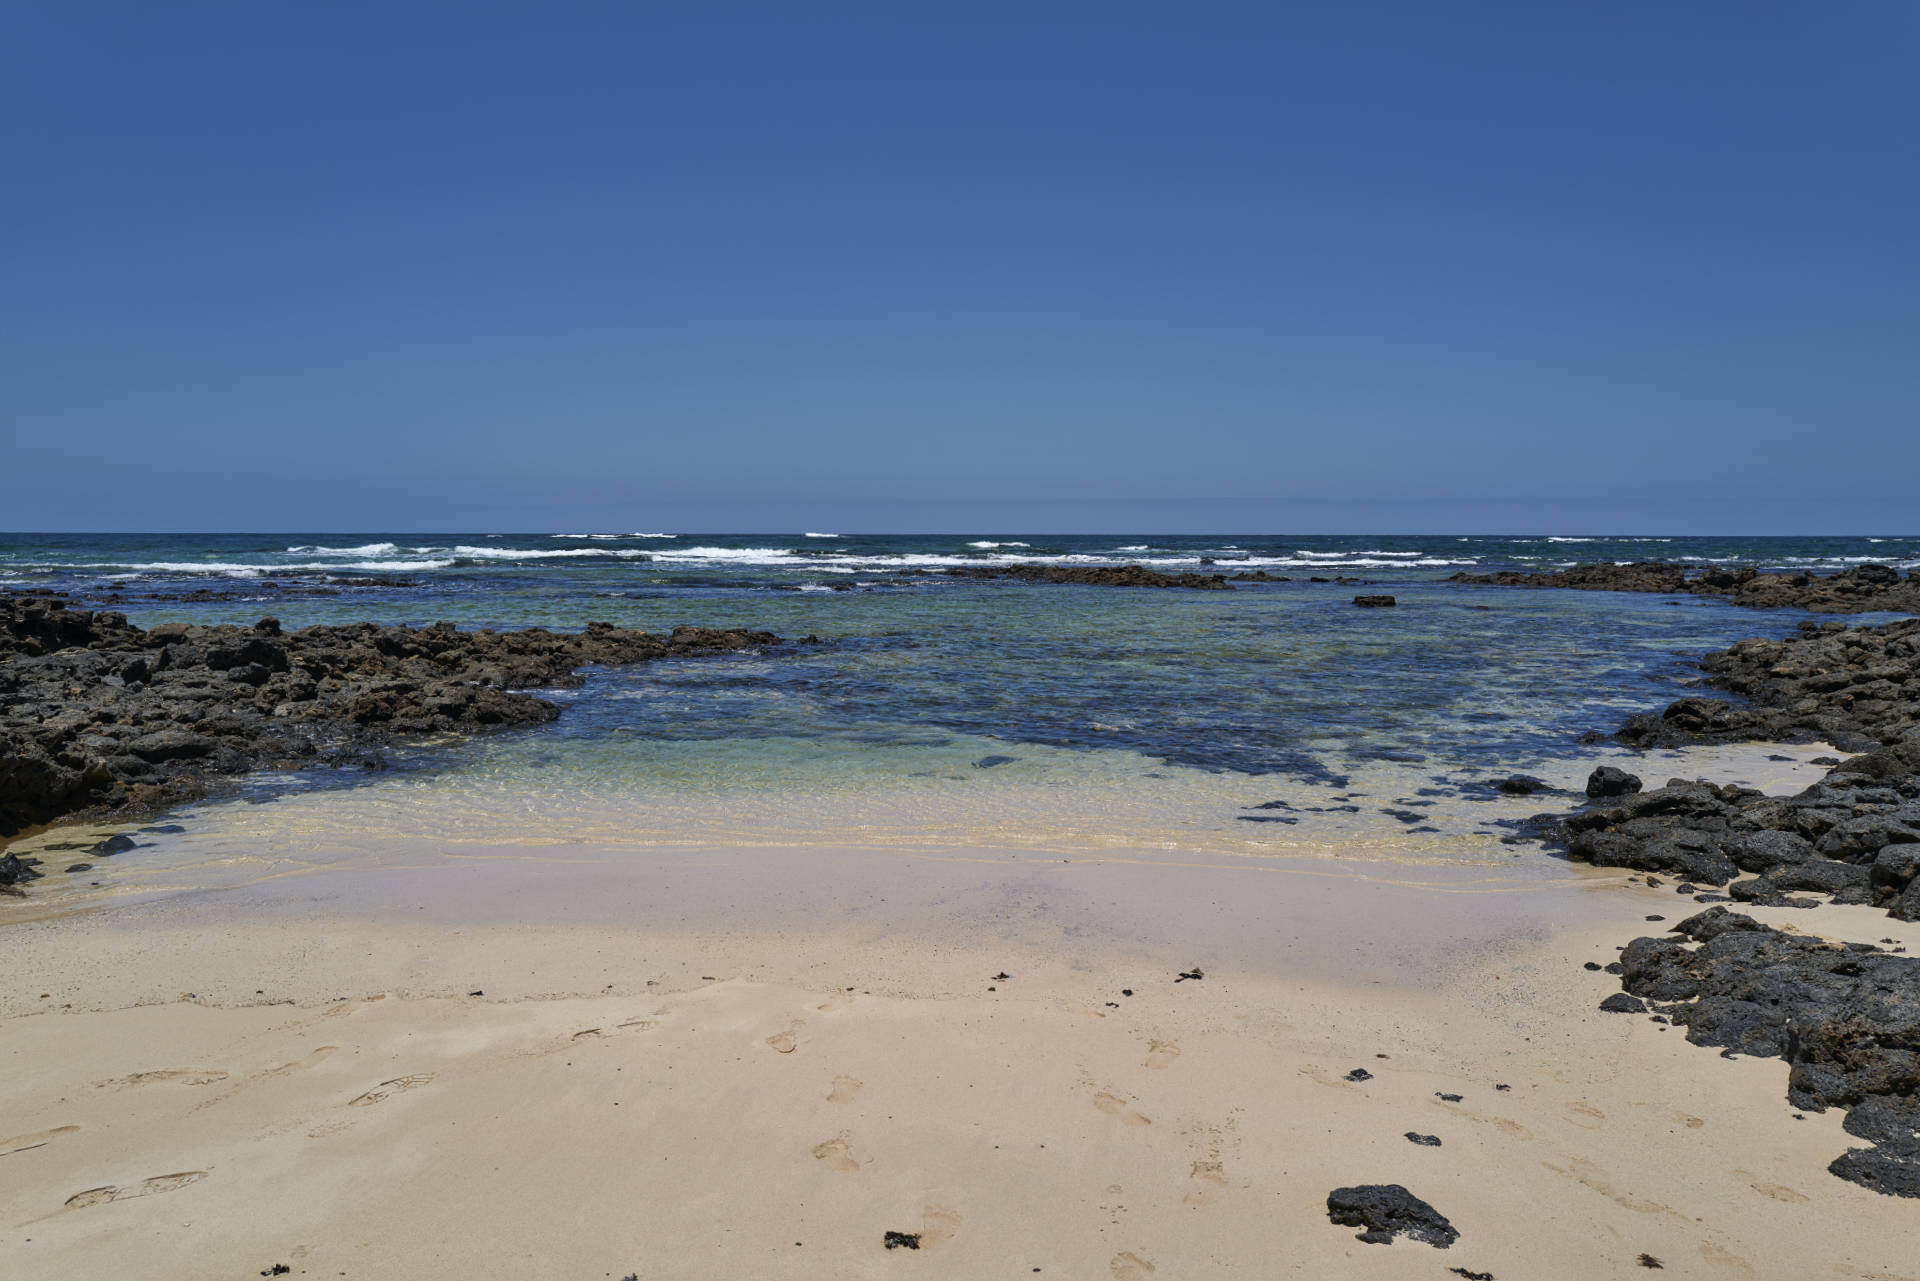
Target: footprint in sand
(1113,1106)
(1772,1191)
(1585,1115)
(1725,1258)
(837,1156)
(387,1089)
(300,1064)
(1685,1118)
(838,1001)
(166,1076)
(1592,1176)
(1208,1178)
(1161,1053)
(1130,1267)
(844,1088)
(38,1139)
(1512,1129)
(784,1042)
(1322,1078)
(937,1224)
(147,1187)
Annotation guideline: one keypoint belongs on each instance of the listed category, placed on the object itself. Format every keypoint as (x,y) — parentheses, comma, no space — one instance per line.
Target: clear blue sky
(1412,266)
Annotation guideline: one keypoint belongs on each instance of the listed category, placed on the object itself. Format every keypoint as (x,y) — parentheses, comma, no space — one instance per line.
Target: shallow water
(938,713)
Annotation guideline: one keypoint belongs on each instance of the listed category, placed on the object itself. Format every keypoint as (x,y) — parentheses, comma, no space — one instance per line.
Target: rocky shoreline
(1861,590)
(98,715)
(1844,1016)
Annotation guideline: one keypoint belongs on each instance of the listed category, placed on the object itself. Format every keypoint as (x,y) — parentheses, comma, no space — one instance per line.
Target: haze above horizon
(1380,268)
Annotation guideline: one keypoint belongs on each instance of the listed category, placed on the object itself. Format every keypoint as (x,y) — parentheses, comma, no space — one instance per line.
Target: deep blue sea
(1125,713)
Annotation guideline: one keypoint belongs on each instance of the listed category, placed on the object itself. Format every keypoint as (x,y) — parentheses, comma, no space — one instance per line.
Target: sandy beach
(214,1085)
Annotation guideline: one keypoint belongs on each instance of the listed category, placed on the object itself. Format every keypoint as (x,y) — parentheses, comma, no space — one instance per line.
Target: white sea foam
(587,535)
(235,569)
(984,545)
(653,535)
(811,534)
(365,549)
(1573,540)
(739,555)
(549,553)
(1135,547)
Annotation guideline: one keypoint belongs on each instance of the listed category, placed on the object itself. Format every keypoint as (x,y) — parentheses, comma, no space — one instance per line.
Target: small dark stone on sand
(1503,1088)
(1126,991)
(277,1270)
(1686,887)
(112,845)
(81,867)
(1387,1210)
(1002,977)
(1471,1276)
(1614,967)
(1424,1140)
(1621,1003)
(1656,918)
(1592,965)
(1359,1074)
(476,992)
(1194,973)
(988,762)
(902,1240)
(1444,1097)
(1648,1261)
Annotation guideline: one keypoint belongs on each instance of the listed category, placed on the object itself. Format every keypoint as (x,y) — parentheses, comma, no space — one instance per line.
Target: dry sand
(208,1092)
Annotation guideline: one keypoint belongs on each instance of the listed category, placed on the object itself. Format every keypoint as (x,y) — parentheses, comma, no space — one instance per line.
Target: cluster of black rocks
(1845,1016)
(1862,589)
(1853,687)
(97,714)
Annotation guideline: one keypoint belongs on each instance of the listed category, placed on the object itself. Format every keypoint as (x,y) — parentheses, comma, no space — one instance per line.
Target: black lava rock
(1608,781)
(1387,1210)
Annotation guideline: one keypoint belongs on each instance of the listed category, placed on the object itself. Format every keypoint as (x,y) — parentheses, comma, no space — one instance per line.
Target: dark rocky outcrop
(97,714)
(1387,1210)
(1862,589)
(1095,575)
(1845,1017)
(1852,686)
(1374,602)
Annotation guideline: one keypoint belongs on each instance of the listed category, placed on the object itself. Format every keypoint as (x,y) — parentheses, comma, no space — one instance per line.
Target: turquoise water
(1121,710)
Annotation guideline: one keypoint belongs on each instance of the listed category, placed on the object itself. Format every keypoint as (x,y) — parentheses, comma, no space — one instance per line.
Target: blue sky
(1362,267)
